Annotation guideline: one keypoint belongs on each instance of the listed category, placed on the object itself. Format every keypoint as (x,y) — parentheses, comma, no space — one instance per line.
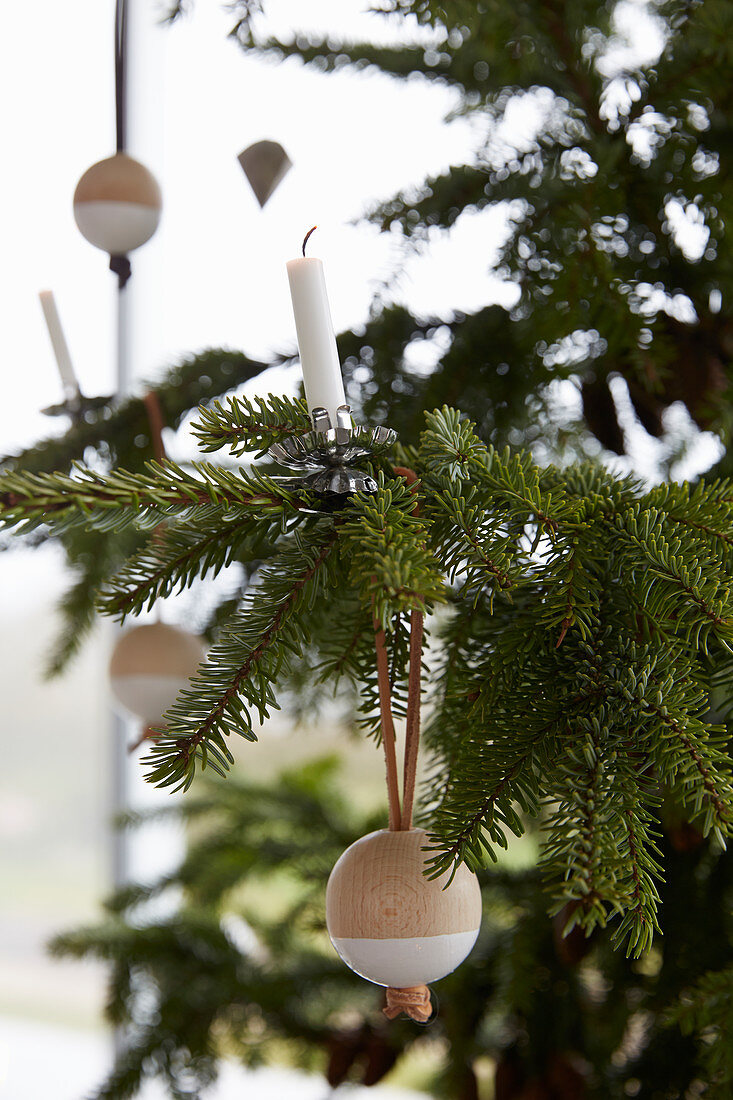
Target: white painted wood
(116,227)
(378,890)
(401,963)
(389,922)
(147,697)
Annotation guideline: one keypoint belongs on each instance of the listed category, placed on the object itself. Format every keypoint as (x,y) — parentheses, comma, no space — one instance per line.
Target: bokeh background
(214,275)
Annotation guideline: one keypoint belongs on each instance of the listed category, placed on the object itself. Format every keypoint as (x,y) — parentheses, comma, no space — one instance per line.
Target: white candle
(324,385)
(60,347)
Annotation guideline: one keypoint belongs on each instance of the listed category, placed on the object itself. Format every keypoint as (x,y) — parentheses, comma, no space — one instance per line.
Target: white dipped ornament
(392,925)
(117,204)
(150,665)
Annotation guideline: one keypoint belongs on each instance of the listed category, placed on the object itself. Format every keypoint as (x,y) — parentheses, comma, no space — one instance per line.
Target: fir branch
(254,651)
(661,686)
(390,563)
(570,611)
(345,639)
(119,432)
(470,541)
(176,556)
(705,1010)
(581,825)
(640,921)
(451,451)
(243,425)
(119,499)
(92,556)
(469,841)
(681,582)
(713,790)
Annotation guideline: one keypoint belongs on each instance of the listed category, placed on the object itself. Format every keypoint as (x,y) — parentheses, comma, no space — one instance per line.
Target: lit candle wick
(305,239)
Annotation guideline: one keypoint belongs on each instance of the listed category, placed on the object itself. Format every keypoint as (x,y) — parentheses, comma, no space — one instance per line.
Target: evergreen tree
(580,624)
(626,154)
(565,1018)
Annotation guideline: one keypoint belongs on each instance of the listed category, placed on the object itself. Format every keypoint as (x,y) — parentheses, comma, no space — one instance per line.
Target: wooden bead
(150,665)
(117,204)
(390,923)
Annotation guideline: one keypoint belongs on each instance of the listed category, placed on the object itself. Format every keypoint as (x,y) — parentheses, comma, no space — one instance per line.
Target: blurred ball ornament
(395,927)
(150,665)
(117,204)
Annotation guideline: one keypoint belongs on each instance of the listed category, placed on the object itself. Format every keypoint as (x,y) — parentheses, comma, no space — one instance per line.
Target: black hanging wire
(120,265)
(121,74)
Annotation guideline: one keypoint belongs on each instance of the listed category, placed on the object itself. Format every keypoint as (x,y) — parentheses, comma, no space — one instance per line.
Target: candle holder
(323,456)
(77,406)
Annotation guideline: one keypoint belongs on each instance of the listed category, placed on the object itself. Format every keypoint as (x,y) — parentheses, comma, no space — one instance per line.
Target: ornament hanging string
(120,264)
(412,725)
(388,734)
(414,1001)
(156,422)
(400,819)
(121,74)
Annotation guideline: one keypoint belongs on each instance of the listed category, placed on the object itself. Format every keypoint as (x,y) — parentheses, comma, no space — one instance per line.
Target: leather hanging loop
(156,422)
(412,725)
(388,734)
(414,1001)
(414,690)
(401,819)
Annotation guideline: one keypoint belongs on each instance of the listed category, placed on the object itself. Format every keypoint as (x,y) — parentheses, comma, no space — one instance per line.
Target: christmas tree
(579,624)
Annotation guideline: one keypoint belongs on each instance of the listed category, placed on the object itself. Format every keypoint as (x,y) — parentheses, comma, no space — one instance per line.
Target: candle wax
(324,385)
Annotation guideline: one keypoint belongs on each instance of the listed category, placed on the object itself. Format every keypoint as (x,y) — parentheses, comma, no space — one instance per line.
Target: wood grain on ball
(156,649)
(120,178)
(377,890)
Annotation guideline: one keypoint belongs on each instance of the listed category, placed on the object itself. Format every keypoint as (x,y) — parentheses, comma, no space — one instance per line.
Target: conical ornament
(265,164)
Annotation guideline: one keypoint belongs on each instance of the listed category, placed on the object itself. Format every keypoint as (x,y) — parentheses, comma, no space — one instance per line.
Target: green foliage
(707,1010)
(580,664)
(390,563)
(113,433)
(589,613)
(243,968)
(243,425)
(252,836)
(120,499)
(236,686)
(622,151)
(92,556)
(118,433)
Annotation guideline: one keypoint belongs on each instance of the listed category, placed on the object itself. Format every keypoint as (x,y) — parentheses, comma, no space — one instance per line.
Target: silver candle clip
(324,455)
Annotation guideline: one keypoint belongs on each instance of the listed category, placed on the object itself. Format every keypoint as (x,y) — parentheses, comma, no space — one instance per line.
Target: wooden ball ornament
(150,665)
(392,925)
(117,204)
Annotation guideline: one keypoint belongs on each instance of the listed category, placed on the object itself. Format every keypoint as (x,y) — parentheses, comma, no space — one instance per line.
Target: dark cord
(120,265)
(121,74)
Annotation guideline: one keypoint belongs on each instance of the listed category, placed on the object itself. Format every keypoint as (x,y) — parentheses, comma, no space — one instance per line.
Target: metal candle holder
(323,455)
